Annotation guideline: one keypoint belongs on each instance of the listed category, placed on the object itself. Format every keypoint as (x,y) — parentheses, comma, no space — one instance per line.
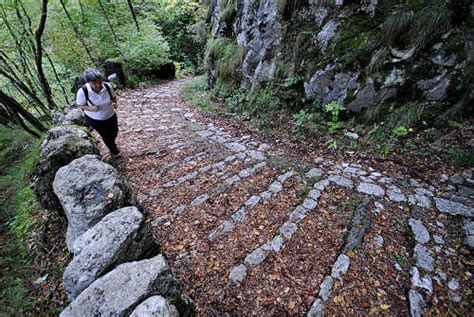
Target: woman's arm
(89,108)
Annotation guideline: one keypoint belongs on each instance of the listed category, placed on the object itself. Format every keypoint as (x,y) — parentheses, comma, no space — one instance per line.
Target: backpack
(86,92)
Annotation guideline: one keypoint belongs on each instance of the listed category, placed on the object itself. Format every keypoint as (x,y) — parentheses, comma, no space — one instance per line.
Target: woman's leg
(108,130)
(111,131)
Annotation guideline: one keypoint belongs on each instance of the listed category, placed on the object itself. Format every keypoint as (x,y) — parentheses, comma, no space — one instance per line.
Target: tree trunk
(30,28)
(20,114)
(22,54)
(76,31)
(39,56)
(130,6)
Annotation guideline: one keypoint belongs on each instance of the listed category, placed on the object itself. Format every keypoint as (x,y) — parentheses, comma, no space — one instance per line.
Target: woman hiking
(98,100)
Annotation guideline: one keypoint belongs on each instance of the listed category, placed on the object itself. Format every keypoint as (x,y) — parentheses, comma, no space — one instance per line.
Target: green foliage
(331,144)
(194,92)
(146,51)
(227,55)
(376,134)
(18,155)
(396,25)
(293,81)
(460,157)
(408,115)
(229,11)
(334,109)
(302,117)
(400,131)
(25,202)
(181,22)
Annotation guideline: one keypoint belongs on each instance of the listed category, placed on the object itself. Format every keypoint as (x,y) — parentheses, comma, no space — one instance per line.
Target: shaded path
(253,232)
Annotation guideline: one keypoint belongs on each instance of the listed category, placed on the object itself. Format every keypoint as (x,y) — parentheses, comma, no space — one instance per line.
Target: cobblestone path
(251,230)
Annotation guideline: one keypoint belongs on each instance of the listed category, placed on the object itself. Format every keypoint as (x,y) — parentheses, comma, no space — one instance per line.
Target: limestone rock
(121,290)
(340,267)
(423,258)
(453,208)
(88,189)
(155,306)
(119,237)
(370,189)
(238,274)
(419,230)
(416,302)
(61,146)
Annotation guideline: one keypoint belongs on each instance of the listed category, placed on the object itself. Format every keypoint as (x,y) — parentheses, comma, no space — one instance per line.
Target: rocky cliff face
(373,56)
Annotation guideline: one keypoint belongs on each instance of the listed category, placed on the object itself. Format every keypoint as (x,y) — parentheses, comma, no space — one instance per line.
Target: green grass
(18,155)
(194,92)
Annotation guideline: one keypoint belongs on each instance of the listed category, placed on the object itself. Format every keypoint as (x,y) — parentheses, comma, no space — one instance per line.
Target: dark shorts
(107,129)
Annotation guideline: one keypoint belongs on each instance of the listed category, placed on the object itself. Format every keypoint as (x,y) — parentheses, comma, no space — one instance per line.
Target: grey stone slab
(422,235)
(114,240)
(239,215)
(314,172)
(423,258)
(416,303)
(257,155)
(317,309)
(238,274)
(419,200)
(397,197)
(340,267)
(252,201)
(453,208)
(256,257)
(236,147)
(370,189)
(314,194)
(276,187)
(424,282)
(325,288)
(284,177)
(341,181)
(309,204)
(231,180)
(200,200)
(122,289)
(288,229)
(321,185)
(298,214)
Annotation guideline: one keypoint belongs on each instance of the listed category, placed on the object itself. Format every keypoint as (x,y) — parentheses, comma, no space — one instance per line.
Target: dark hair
(92,74)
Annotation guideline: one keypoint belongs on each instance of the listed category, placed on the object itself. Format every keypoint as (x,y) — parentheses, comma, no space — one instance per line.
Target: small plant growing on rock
(400,131)
(334,109)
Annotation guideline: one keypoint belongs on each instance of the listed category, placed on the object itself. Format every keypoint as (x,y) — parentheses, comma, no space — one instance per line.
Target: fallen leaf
(385,306)
(338,299)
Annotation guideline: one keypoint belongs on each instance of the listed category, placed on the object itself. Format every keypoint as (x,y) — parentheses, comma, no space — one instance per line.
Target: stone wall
(118,268)
(358,53)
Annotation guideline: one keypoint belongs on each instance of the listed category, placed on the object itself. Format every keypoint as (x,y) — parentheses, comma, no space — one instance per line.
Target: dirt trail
(252,232)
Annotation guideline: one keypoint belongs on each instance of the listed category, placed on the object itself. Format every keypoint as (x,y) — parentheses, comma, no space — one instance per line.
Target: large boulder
(61,146)
(88,189)
(120,291)
(118,238)
(71,117)
(113,68)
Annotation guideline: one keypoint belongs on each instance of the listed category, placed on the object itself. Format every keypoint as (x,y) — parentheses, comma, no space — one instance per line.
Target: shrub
(146,51)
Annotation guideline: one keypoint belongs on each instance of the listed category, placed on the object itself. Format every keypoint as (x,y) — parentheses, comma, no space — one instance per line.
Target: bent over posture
(98,100)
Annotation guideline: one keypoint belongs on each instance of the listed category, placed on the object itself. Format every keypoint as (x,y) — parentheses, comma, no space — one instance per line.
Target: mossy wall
(392,54)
